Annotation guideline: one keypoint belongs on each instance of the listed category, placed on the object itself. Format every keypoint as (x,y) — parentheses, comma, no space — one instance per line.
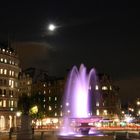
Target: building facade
(108,103)
(25,84)
(9,71)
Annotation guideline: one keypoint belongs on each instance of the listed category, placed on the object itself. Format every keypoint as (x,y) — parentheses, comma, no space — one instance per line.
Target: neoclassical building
(9,72)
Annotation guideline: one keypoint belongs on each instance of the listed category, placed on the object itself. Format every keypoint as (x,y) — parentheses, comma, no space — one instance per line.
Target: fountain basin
(86,138)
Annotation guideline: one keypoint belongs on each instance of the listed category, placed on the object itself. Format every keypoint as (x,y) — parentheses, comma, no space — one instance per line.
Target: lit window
(0,103)
(11,93)
(49,98)
(105,112)
(97,103)
(110,87)
(1,59)
(97,112)
(61,114)
(12,85)
(5,71)
(3,50)
(28,83)
(44,92)
(5,60)
(10,61)
(96,87)
(67,104)
(104,88)
(55,99)
(50,108)
(11,109)
(44,85)
(10,72)
(10,82)
(49,91)
(55,114)
(1,71)
(4,103)
(13,63)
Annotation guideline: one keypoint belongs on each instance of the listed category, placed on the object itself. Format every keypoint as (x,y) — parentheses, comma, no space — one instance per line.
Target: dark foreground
(50,135)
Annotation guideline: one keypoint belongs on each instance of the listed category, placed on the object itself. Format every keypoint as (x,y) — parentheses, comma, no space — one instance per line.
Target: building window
(4,92)
(44,100)
(0,81)
(16,84)
(0,103)
(49,98)
(104,87)
(15,103)
(5,60)
(4,103)
(5,82)
(10,61)
(10,82)
(110,87)
(11,93)
(97,103)
(1,71)
(97,112)
(1,59)
(61,114)
(12,85)
(50,108)
(16,75)
(11,103)
(13,63)
(10,72)
(96,87)
(105,112)
(55,98)
(55,114)
(0,92)
(5,71)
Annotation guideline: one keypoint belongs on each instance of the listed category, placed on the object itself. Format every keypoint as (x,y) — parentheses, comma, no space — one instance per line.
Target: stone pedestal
(25,132)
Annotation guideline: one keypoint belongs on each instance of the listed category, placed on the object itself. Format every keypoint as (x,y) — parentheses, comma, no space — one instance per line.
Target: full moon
(51,27)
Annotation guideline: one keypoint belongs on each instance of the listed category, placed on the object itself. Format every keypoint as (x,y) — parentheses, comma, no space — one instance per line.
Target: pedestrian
(10,132)
(33,130)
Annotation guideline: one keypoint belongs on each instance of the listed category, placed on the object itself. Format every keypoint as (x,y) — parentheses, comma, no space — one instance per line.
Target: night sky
(102,34)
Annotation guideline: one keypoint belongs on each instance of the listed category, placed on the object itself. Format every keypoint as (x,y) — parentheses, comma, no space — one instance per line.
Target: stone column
(25,132)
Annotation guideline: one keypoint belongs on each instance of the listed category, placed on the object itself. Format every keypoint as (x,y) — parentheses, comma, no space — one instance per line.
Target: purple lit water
(76,99)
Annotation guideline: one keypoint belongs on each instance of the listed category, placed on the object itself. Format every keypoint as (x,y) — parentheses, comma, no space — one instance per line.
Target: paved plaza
(46,135)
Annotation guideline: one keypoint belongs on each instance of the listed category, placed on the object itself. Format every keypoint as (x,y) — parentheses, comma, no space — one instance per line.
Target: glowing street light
(138,102)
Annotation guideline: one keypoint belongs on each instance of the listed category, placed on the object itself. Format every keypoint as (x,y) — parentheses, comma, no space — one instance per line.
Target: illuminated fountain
(77,109)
